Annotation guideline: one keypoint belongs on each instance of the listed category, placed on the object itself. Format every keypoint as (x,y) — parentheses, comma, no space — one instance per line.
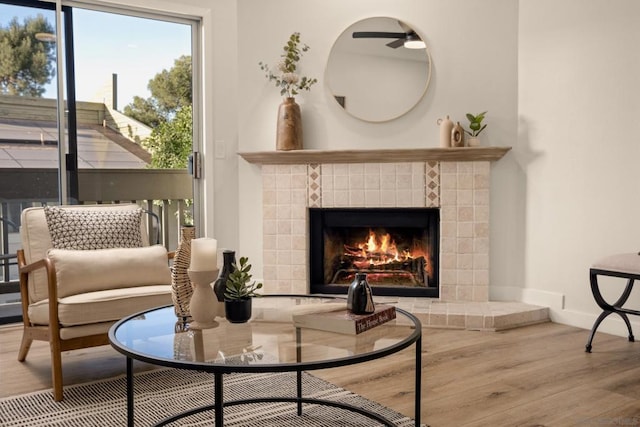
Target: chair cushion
(623,263)
(85,330)
(94,229)
(80,271)
(102,306)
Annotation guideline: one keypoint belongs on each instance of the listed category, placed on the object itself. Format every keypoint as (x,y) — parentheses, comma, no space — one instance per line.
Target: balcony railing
(163,192)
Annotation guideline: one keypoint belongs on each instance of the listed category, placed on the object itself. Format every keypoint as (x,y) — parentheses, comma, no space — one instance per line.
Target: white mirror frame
(357,69)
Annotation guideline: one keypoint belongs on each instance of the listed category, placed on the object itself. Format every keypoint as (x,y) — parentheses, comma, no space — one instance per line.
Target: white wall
(560,82)
(578,145)
(474,51)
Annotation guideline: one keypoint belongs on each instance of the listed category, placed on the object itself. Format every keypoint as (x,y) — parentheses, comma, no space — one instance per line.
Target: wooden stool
(625,266)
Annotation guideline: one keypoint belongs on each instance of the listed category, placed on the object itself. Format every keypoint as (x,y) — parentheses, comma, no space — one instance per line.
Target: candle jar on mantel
(289,128)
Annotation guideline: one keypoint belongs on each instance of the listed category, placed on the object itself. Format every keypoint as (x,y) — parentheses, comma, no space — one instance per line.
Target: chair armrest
(52,286)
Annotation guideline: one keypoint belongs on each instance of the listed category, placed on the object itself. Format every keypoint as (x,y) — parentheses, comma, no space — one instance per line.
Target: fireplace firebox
(398,248)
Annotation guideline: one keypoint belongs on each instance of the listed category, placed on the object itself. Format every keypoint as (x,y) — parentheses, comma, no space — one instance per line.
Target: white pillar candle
(204,254)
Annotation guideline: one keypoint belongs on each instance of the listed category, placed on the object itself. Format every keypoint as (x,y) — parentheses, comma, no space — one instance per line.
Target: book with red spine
(344,321)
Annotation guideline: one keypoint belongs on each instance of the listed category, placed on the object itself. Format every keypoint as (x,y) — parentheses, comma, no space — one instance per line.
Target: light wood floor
(533,376)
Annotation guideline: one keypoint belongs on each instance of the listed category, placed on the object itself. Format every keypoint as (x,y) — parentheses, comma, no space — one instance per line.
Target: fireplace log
(370,256)
(418,267)
(374,256)
(415,267)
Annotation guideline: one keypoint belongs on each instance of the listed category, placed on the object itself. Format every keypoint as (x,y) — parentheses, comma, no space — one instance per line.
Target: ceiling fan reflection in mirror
(372,81)
(409,38)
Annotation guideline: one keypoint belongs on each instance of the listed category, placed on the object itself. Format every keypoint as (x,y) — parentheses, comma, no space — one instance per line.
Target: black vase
(237,311)
(228,258)
(359,296)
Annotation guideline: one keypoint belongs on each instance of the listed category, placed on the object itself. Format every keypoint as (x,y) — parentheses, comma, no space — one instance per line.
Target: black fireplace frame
(371,217)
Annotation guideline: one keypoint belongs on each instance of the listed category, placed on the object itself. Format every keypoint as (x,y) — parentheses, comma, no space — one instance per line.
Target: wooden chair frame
(51,332)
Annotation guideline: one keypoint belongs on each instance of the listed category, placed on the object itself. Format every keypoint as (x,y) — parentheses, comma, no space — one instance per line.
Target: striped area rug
(165,392)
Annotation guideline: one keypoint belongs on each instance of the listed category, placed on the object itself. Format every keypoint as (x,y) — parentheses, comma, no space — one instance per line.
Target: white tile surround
(461,189)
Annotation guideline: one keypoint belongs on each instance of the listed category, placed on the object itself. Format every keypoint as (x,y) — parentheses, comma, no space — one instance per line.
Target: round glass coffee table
(269,342)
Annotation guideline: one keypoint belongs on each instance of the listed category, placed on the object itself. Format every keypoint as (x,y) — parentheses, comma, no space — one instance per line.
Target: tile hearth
(480,316)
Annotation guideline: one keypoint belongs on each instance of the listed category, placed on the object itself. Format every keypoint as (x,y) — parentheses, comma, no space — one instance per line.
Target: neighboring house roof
(32,144)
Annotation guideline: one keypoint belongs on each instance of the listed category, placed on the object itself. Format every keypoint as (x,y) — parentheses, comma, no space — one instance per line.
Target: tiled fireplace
(453,180)
(457,182)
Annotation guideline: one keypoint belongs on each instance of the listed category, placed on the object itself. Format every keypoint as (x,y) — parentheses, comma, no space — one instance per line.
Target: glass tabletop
(268,342)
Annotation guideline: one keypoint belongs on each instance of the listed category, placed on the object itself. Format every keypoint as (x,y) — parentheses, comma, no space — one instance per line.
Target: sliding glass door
(97,105)
(133,79)
(29,132)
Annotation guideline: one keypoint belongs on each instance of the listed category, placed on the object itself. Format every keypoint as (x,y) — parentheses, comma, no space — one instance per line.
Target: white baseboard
(613,324)
(553,300)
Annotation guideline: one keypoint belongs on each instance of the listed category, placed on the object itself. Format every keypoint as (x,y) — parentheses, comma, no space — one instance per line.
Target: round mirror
(378,69)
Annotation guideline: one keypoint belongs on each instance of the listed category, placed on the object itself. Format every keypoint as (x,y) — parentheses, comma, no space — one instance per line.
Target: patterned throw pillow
(94,229)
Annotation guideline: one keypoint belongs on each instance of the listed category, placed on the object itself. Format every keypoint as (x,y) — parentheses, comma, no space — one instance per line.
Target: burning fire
(376,250)
(394,259)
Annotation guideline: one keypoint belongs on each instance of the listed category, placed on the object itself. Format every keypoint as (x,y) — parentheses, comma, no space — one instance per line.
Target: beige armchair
(81,269)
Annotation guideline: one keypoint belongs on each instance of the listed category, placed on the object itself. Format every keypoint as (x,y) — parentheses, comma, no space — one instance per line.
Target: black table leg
(218,403)
(418,391)
(299,390)
(299,373)
(129,392)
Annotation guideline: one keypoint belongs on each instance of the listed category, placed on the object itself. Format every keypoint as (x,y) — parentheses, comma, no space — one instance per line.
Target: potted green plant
(475,126)
(239,292)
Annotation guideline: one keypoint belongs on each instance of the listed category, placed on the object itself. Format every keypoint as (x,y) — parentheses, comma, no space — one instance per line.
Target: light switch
(220,151)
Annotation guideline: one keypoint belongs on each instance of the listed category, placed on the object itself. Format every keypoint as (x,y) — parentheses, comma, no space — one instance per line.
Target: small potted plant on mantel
(476,126)
(239,292)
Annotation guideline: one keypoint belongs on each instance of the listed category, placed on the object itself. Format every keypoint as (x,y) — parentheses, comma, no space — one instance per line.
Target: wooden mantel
(462,154)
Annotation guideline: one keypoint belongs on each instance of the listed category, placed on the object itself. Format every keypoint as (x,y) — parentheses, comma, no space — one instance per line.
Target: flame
(377,250)
(384,259)
(375,244)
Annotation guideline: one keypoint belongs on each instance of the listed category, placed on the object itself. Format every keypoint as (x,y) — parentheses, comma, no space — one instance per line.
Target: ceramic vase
(359,296)
(181,288)
(457,136)
(219,286)
(446,126)
(289,128)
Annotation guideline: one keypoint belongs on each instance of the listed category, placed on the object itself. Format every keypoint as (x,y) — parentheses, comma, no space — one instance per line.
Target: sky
(136,49)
